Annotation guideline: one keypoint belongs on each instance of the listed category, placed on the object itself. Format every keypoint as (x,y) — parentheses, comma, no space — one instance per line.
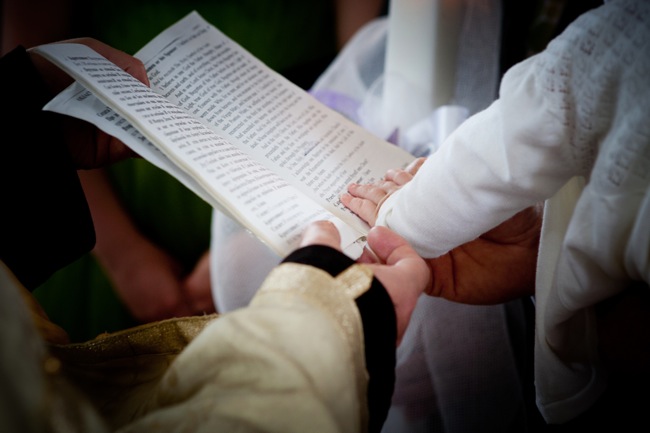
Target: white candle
(420,64)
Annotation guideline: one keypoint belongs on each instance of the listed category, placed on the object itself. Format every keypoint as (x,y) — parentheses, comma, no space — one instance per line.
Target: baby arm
(500,161)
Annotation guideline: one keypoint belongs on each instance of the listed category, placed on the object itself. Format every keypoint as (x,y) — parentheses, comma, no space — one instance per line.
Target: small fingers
(398,177)
(401,177)
(366,199)
(364,208)
(415,165)
(373,192)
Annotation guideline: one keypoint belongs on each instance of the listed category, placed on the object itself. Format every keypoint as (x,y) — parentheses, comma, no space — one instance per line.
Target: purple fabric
(344,104)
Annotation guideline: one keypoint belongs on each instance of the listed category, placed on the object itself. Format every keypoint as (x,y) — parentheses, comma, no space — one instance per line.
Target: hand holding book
(238,134)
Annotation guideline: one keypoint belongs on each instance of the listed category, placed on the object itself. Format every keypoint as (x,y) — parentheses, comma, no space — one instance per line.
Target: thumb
(388,246)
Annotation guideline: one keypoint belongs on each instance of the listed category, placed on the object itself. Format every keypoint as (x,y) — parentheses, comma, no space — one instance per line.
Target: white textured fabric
(579,109)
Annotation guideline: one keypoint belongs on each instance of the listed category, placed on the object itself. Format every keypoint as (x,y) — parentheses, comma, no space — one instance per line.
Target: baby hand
(366,199)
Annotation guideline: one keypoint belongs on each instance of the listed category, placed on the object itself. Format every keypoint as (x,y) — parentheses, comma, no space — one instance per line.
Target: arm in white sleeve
(501,160)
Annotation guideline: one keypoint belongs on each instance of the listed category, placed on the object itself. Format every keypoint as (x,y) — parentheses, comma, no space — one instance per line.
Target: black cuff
(379,329)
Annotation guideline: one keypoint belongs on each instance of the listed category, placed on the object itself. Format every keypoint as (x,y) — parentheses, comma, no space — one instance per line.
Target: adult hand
(151,284)
(400,269)
(366,199)
(394,263)
(149,281)
(498,266)
(197,288)
(89,147)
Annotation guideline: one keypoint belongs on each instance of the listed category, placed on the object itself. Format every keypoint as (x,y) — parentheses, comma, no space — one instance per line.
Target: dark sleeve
(379,329)
(45,222)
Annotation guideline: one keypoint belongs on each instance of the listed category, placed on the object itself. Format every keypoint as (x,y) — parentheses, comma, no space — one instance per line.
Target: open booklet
(238,134)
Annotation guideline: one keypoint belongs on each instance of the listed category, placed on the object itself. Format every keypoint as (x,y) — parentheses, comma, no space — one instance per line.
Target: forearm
(117,234)
(145,276)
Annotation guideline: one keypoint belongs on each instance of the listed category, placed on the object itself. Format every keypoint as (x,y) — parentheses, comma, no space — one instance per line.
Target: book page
(260,199)
(276,128)
(313,147)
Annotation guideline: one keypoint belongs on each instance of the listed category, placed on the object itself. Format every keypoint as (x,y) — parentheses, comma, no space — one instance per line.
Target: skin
(137,266)
(498,266)
(149,280)
(393,261)
(141,270)
(89,147)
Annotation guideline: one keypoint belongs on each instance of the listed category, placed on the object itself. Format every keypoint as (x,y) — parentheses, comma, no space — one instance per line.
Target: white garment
(580,110)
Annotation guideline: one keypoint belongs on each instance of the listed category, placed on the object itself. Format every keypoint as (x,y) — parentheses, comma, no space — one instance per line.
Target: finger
(390,247)
(372,192)
(415,165)
(130,64)
(321,233)
(398,177)
(365,209)
(198,295)
(397,253)
(389,186)
(405,275)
